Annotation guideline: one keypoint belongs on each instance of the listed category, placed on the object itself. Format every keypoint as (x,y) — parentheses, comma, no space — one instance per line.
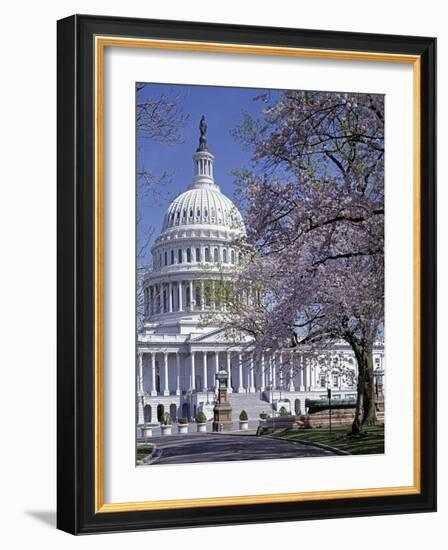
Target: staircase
(251,403)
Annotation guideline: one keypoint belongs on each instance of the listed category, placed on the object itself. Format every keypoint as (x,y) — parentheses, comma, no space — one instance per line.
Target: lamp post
(329,406)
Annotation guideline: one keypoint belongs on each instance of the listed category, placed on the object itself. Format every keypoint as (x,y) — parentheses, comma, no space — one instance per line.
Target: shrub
(166,420)
(183,420)
(283,411)
(264,415)
(243,416)
(201,418)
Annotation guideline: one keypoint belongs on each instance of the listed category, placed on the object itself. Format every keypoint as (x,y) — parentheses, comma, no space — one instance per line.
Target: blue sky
(224,109)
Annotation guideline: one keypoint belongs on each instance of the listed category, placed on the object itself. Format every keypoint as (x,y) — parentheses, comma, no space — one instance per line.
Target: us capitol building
(178,354)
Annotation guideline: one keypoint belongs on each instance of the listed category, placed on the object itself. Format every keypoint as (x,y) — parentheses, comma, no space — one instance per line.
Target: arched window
(179,256)
(172,257)
(232,256)
(191,212)
(187,296)
(198,212)
(216,255)
(205,212)
(198,254)
(166,257)
(198,296)
(207,254)
(164,301)
(224,255)
(189,255)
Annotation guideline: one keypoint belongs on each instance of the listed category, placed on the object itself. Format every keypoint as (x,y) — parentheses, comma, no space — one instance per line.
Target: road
(179,449)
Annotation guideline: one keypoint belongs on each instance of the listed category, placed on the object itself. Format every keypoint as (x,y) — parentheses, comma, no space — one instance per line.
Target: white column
(308,374)
(240,373)
(301,373)
(181,305)
(140,372)
(313,373)
(251,375)
(282,378)
(204,356)
(192,373)
(274,372)
(177,373)
(140,410)
(153,374)
(216,369)
(170,297)
(291,372)
(271,382)
(166,390)
(229,373)
(263,375)
(191,295)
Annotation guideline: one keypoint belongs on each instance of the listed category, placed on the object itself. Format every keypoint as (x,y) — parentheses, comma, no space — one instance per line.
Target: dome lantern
(203,161)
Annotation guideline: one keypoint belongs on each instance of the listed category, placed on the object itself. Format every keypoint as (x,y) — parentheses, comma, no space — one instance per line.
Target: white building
(178,354)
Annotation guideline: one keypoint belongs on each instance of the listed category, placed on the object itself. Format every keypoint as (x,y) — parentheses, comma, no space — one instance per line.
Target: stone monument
(222,412)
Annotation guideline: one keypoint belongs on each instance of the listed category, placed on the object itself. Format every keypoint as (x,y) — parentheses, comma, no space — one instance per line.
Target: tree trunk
(357,421)
(365,413)
(369,411)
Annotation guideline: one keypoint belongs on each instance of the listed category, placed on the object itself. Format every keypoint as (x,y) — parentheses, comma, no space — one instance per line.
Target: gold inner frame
(101,42)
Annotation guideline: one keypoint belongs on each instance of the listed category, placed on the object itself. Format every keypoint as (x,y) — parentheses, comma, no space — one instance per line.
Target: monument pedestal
(222,411)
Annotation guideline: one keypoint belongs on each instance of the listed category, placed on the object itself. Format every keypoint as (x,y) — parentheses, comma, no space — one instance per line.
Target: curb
(312,444)
(152,456)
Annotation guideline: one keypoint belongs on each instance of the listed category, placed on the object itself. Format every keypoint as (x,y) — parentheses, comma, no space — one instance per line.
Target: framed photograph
(246,274)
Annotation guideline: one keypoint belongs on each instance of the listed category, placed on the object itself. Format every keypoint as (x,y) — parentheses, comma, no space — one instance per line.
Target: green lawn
(371,442)
(143,450)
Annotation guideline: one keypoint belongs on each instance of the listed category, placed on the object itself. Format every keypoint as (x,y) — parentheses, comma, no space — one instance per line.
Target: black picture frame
(76,512)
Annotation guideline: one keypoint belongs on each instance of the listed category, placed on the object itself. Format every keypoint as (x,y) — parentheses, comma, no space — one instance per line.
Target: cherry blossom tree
(313,203)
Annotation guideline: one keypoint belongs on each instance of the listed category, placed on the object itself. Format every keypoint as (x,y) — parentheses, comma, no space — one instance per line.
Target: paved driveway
(178,449)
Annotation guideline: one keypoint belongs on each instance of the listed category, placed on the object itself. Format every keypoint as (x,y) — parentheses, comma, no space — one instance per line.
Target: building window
(179,256)
(207,296)
(164,301)
(216,255)
(172,257)
(207,254)
(166,257)
(205,212)
(224,255)
(335,381)
(187,296)
(198,254)
(189,255)
(198,296)
(232,256)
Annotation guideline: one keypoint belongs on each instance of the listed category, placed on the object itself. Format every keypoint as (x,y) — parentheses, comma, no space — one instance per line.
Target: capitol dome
(204,205)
